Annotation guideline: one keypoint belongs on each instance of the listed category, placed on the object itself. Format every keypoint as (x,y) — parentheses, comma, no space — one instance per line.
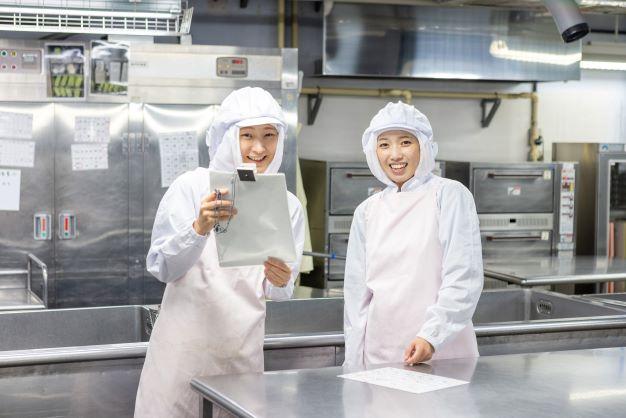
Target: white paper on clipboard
(262,226)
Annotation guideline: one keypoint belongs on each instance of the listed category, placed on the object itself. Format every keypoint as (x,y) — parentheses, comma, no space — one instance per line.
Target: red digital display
(237,61)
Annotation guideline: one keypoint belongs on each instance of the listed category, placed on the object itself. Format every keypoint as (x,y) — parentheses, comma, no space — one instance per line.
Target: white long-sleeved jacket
(175,245)
(461,270)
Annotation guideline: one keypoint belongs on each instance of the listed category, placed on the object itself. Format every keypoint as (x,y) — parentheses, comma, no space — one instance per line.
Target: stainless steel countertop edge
(280,341)
(220,400)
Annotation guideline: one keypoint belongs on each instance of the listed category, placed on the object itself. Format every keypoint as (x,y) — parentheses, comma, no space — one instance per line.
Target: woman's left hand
(419,350)
(277,272)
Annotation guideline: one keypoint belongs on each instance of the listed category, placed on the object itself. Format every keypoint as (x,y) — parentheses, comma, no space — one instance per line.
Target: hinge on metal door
(125,140)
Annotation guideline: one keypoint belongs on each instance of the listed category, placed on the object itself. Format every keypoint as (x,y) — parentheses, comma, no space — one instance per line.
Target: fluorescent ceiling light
(500,49)
(603,65)
(596,394)
(603,3)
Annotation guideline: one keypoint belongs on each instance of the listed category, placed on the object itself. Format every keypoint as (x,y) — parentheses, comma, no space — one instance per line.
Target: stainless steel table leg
(206,408)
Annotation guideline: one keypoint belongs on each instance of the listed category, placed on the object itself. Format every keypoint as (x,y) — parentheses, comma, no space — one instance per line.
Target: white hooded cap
(248,106)
(400,116)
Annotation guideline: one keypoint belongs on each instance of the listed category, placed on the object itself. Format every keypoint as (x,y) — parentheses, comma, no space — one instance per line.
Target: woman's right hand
(213,211)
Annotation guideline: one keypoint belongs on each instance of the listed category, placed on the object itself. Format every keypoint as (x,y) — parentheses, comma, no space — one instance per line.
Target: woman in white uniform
(212,319)
(414,265)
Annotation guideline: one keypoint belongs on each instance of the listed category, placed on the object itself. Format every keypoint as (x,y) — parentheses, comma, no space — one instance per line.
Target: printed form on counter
(402,379)
(179,153)
(17,153)
(10,189)
(16,125)
(92,129)
(90,157)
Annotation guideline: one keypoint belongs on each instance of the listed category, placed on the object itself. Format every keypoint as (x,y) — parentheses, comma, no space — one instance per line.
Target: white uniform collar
(412,184)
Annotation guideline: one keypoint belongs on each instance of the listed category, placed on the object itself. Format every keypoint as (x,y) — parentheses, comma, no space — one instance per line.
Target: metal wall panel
(115,207)
(92,269)
(16,227)
(159,119)
(472,43)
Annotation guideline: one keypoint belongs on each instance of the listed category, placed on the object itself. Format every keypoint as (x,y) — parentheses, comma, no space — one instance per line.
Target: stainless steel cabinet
(158,119)
(91,263)
(16,227)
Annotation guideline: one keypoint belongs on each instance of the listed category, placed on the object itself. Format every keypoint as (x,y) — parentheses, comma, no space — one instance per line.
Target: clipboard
(262,226)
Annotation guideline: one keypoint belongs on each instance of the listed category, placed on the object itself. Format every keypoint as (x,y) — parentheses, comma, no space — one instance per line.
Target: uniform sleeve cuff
(431,338)
(192,238)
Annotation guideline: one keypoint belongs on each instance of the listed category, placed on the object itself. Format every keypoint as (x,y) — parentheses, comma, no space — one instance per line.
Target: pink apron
(403,272)
(212,322)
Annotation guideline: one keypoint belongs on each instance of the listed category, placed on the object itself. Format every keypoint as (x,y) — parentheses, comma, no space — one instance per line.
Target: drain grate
(544,307)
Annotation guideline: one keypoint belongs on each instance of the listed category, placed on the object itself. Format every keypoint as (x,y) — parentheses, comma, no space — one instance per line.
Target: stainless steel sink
(512,321)
(74,327)
(613,299)
(304,316)
(507,305)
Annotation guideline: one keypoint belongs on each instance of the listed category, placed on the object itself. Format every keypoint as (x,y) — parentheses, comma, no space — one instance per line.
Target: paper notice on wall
(92,129)
(16,125)
(90,157)
(17,153)
(10,189)
(406,380)
(179,153)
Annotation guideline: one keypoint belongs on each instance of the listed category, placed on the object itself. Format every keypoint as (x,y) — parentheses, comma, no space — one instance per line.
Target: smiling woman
(399,154)
(413,267)
(258,145)
(212,319)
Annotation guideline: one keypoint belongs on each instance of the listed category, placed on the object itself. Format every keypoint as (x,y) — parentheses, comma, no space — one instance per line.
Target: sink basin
(73,327)
(614,299)
(506,305)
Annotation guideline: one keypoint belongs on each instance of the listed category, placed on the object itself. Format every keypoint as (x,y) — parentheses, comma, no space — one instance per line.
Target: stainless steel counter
(542,271)
(19,299)
(573,383)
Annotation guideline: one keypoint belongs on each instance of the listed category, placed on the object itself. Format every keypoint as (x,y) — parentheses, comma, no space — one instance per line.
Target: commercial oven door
(519,243)
(514,190)
(338,245)
(349,187)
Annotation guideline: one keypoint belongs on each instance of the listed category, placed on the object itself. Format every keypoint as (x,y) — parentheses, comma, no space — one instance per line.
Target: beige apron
(212,322)
(403,272)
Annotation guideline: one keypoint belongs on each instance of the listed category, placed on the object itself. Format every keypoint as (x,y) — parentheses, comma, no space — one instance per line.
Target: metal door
(514,190)
(36,194)
(159,120)
(92,204)
(349,187)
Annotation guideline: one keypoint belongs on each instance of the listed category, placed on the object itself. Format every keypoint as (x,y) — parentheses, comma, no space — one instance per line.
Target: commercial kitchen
(105,104)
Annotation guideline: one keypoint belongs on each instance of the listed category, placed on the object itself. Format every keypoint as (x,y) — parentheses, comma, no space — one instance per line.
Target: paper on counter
(17,153)
(16,125)
(406,380)
(179,153)
(10,189)
(90,157)
(92,129)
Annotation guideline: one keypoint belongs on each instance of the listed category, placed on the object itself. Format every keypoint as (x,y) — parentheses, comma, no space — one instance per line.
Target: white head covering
(400,116)
(248,106)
